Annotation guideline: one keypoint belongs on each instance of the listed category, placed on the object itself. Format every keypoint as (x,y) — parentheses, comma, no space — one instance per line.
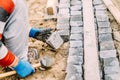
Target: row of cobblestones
(74,68)
(70,27)
(108,56)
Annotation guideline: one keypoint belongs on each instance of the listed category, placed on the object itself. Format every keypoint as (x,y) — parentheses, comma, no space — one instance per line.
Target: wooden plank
(113,9)
(51,7)
(91,64)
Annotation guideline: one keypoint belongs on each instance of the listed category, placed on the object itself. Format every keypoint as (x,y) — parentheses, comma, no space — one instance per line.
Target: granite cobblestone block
(102,17)
(76,51)
(100,12)
(111,61)
(74,44)
(105,37)
(63,15)
(106,45)
(76,8)
(104,30)
(75,30)
(111,69)
(64,5)
(108,54)
(100,7)
(76,2)
(63,26)
(64,34)
(63,21)
(112,77)
(64,10)
(75,76)
(76,23)
(75,60)
(97,2)
(73,13)
(64,1)
(103,24)
(76,18)
(76,37)
(72,69)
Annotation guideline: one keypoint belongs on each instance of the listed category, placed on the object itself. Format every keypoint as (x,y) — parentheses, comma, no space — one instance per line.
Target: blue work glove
(40,34)
(24,68)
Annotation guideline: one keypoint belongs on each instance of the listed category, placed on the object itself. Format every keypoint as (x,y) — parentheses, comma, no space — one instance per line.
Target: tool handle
(14,72)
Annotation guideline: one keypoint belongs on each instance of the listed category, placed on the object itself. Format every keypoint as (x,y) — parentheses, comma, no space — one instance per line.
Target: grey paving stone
(76,2)
(64,5)
(76,18)
(63,26)
(108,54)
(107,45)
(74,69)
(55,40)
(100,7)
(105,37)
(73,13)
(64,10)
(64,1)
(76,51)
(75,76)
(102,17)
(112,69)
(64,34)
(63,21)
(99,12)
(76,37)
(104,30)
(111,62)
(76,23)
(97,2)
(63,15)
(75,30)
(112,77)
(75,60)
(103,24)
(74,44)
(76,8)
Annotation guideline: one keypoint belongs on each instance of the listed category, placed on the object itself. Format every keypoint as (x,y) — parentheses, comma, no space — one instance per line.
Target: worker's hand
(24,68)
(40,34)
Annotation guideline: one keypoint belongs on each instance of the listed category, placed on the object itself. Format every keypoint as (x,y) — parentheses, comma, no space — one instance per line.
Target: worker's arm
(40,33)
(7,58)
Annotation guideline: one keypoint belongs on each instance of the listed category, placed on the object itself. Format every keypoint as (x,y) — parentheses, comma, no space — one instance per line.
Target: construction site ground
(36,9)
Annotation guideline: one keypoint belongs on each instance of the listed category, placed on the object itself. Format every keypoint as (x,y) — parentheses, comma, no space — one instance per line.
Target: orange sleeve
(7,5)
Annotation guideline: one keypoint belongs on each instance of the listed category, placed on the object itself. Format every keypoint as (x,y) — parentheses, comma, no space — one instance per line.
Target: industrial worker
(14,34)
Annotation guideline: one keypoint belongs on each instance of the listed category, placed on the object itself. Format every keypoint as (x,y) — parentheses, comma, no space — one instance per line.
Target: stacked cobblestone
(74,68)
(109,62)
(63,17)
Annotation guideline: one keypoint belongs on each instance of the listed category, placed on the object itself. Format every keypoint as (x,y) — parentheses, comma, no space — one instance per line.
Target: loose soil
(116,28)
(57,72)
(59,56)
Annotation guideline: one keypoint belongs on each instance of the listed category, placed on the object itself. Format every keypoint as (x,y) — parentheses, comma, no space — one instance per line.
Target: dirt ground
(117,3)
(116,28)
(59,56)
(57,72)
